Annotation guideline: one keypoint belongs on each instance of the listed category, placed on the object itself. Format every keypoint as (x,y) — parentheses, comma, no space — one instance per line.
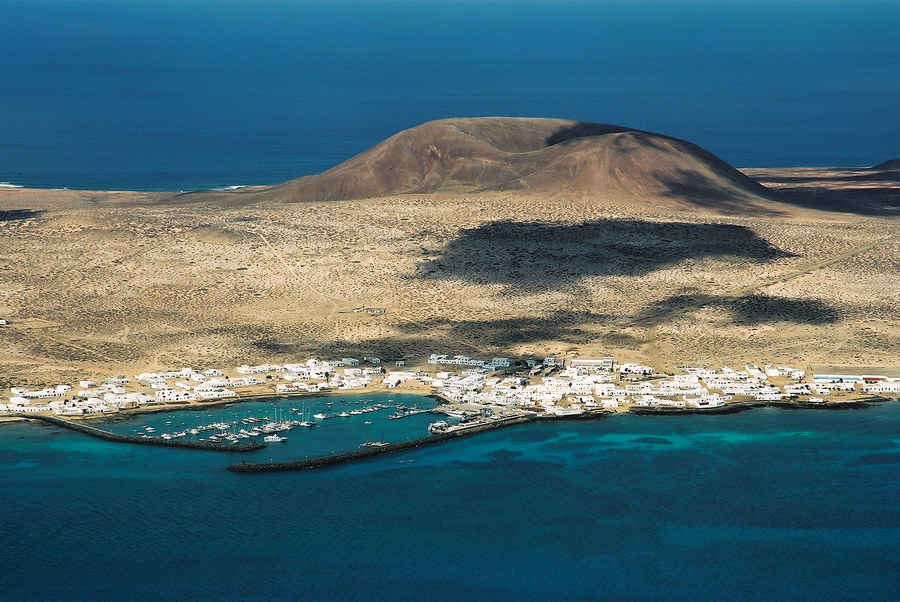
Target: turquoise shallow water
(761,505)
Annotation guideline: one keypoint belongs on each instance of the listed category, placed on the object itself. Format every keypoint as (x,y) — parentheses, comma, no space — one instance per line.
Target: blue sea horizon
(186,95)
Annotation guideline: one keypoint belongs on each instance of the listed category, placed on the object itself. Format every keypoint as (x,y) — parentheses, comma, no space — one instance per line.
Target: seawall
(735,408)
(108,436)
(369,452)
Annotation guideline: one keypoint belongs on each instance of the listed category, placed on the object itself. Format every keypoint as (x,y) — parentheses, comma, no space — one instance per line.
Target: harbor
(337,418)
(345,427)
(443,431)
(379,450)
(90,431)
(285,428)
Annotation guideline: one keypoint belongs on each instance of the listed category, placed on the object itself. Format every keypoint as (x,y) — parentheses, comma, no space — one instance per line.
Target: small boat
(374,444)
(438,427)
(367,422)
(274,438)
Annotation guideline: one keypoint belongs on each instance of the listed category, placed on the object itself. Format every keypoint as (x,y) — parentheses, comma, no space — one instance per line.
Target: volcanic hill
(539,155)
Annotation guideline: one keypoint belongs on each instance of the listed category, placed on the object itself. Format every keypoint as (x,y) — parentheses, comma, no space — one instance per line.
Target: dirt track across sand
(96,283)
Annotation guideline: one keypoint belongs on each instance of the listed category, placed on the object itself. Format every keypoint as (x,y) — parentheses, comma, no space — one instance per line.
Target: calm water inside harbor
(346,425)
(768,504)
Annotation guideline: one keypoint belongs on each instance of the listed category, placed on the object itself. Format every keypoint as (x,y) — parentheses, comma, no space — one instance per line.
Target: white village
(548,387)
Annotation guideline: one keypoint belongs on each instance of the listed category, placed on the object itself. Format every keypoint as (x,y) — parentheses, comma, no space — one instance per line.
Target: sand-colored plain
(98,283)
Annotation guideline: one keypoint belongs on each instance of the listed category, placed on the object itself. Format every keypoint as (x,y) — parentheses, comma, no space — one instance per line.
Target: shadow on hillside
(12,215)
(538,256)
(566,326)
(748,309)
(857,193)
(572,327)
(583,130)
(698,189)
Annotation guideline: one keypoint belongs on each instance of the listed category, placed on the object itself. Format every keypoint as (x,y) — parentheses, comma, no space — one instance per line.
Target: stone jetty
(108,436)
(368,452)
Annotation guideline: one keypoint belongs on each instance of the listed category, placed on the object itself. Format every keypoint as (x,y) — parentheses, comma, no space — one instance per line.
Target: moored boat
(438,427)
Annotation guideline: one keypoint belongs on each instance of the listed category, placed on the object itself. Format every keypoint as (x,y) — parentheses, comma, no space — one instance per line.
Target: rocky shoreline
(743,406)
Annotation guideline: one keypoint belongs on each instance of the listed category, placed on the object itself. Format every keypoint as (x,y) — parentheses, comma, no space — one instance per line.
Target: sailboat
(306,421)
(369,443)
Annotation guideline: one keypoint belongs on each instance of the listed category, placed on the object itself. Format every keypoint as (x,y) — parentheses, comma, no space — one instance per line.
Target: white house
(260,369)
(630,368)
(169,395)
(215,393)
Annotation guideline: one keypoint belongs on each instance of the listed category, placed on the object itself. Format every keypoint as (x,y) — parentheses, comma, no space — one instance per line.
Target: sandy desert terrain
(98,283)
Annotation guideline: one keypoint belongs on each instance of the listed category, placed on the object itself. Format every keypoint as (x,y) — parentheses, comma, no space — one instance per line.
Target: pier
(367,452)
(115,437)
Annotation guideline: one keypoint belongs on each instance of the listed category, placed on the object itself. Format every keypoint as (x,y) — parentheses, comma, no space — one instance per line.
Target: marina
(285,429)
(99,433)
(256,421)
(252,426)
(377,448)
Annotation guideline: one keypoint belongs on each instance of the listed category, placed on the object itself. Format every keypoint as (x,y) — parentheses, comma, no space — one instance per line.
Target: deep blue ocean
(190,94)
(765,505)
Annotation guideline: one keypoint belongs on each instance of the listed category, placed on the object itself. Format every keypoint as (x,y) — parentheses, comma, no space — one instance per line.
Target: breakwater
(368,452)
(108,436)
(735,408)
